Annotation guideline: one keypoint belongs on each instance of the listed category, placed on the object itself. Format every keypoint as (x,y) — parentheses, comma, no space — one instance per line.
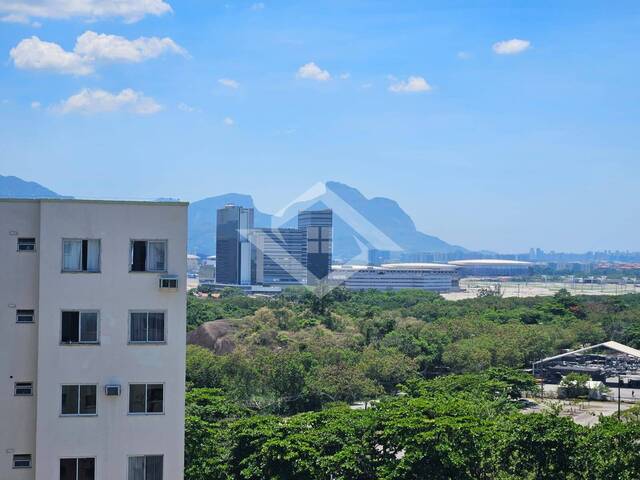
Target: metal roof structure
(618,347)
(493,262)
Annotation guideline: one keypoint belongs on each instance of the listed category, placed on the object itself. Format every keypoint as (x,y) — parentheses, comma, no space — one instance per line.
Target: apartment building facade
(92,349)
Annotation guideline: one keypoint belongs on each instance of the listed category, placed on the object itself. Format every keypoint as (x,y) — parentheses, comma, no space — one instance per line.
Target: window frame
(74,239)
(146,398)
(77,459)
(23,385)
(80,341)
(21,467)
(30,250)
(146,260)
(148,342)
(145,456)
(18,315)
(95,385)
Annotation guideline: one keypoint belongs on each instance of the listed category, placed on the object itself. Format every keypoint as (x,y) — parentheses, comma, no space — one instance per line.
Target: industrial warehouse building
(492,268)
(435,277)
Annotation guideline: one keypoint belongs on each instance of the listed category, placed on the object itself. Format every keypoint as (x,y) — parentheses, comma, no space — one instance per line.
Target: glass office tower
(318,225)
(233,250)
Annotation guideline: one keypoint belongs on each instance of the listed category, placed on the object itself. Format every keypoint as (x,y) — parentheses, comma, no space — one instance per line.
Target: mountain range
(360,223)
(14,187)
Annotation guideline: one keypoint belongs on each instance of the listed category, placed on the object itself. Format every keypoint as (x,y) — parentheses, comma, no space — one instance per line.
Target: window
(79,399)
(80,255)
(146,398)
(145,467)
(148,256)
(77,468)
(146,327)
(26,244)
(79,327)
(22,461)
(23,389)
(24,316)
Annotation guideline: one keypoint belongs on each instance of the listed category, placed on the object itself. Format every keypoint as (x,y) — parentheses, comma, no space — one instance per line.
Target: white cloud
(186,108)
(229,121)
(35,105)
(313,72)
(256,7)
(412,85)
(90,101)
(35,54)
(15,18)
(94,46)
(463,55)
(367,85)
(228,82)
(91,48)
(130,10)
(511,47)
(345,76)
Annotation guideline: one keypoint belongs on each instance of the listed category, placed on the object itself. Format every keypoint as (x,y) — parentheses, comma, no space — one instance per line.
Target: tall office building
(233,249)
(92,351)
(280,256)
(318,226)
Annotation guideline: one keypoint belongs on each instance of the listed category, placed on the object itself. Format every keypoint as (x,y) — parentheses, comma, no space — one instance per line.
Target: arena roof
(490,262)
(399,266)
(420,266)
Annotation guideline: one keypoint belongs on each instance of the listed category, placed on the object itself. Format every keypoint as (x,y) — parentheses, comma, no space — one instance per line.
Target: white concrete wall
(18,352)
(112,435)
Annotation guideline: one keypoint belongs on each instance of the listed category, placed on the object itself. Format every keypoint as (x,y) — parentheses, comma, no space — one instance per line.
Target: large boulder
(215,335)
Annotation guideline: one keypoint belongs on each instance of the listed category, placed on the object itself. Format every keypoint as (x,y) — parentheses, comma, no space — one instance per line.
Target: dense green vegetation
(276,406)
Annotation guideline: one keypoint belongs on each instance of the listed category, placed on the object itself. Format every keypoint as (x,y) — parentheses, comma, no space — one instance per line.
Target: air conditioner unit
(112,390)
(169,283)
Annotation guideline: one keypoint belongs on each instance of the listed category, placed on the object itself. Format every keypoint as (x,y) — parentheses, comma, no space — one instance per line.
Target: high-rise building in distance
(280,256)
(234,264)
(318,226)
(92,350)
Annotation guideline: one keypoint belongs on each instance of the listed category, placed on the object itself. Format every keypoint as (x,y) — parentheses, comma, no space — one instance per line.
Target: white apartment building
(92,339)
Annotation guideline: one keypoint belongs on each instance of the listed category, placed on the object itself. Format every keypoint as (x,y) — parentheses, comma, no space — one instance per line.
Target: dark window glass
(139,256)
(24,316)
(145,467)
(87,399)
(156,327)
(70,399)
(155,398)
(89,327)
(79,327)
(70,327)
(138,327)
(86,469)
(137,394)
(77,469)
(136,468)
(153,467)
(68,468)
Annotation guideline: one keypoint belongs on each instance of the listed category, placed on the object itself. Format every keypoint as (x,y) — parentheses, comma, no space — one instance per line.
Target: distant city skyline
(495,127)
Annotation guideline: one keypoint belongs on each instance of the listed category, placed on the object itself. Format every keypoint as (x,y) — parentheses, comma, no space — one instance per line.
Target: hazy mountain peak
(14,187)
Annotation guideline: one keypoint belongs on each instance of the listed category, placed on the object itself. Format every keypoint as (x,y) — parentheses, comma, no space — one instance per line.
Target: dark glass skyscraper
(318,225)
(234,265)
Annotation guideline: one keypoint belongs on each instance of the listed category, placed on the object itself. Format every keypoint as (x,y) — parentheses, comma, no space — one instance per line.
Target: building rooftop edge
(105,201)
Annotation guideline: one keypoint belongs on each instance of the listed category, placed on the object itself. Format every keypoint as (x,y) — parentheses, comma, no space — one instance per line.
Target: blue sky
(501,146)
